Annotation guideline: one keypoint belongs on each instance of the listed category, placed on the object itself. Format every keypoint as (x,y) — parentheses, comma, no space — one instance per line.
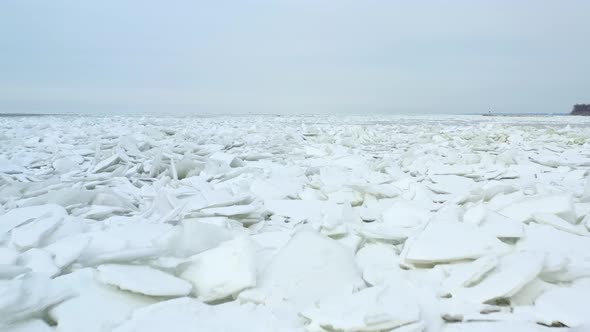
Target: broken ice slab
(378,190)
(547,239)
(19,216)
(491,189)
(192,237)
(255,156)
(143,280)
(522,210)
(8,256)
(98,212)
(105,163)
(124,256)
(451,184)
(405,214)
(8,167)
(97,308)
(226,211)
(73,196)
(381,255)
(560,224)
(497,326)
(371,309)
(296,210)
(29,325)
(527,295)
(215,199)
(310,267)
(380,264)
(31,234)
(454,311)
(567,305)
(67,250)
(493,223)
(512,273)
(468,274)
(29,296)
(227,159)
(9,271)
(39,261)
(442,169)
(274,189)
(447,241)
(64,165)
(179,314)
(334,218)
(221,271)
(386,232)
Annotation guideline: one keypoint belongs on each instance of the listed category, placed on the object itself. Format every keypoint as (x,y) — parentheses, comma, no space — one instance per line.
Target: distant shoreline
(8,115)
(30,114)
(525,114)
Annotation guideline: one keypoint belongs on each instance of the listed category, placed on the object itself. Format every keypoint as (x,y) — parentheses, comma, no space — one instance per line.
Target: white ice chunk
(31,325)
(222,271)
(560,223)
(8,256)
(297,210)
(405,214)
(496,326)
(31,234)
(104,164)
(143,280)
(475,215)
(310,267)
(16,217)
(527,295)
(125,256)
(383,231)
(494,223)
(227,211)
(192,237)
(469,274)
(566,305)
(547,239)
(451,184)
(101,242)
(29,296)
(187,314)
(523,209)
(335,217)
(67,250)
(227,159)
(444,241)
(98,308)
(8,271)
(513,272)
(39,261)
(379,255)
(371,309)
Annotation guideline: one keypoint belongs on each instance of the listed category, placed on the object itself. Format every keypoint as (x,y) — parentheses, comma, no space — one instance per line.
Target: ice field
(294,223)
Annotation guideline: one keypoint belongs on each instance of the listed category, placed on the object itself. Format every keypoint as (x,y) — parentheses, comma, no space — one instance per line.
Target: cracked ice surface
(294,223)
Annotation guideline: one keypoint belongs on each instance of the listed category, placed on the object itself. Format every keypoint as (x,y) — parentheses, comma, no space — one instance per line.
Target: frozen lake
(294,223)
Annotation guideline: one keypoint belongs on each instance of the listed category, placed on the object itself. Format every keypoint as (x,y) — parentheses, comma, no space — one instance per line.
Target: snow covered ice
(294,223)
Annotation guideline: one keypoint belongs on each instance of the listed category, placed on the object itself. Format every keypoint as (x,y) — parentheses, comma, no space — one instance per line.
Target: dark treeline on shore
(581,109)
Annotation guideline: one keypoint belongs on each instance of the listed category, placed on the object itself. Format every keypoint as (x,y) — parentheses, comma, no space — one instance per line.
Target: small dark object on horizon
(581,109)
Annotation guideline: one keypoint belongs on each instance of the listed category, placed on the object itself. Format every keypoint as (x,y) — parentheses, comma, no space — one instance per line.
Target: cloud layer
(293,56)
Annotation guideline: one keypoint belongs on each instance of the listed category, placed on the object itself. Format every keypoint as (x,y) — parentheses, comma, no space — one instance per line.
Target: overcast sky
(294,56)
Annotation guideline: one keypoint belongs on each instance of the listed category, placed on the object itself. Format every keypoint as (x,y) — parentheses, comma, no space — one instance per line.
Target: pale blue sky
(294,56)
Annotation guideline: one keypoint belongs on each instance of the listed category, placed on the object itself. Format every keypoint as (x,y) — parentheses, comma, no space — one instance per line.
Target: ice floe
(143,280)
(222,271)
(294,223)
